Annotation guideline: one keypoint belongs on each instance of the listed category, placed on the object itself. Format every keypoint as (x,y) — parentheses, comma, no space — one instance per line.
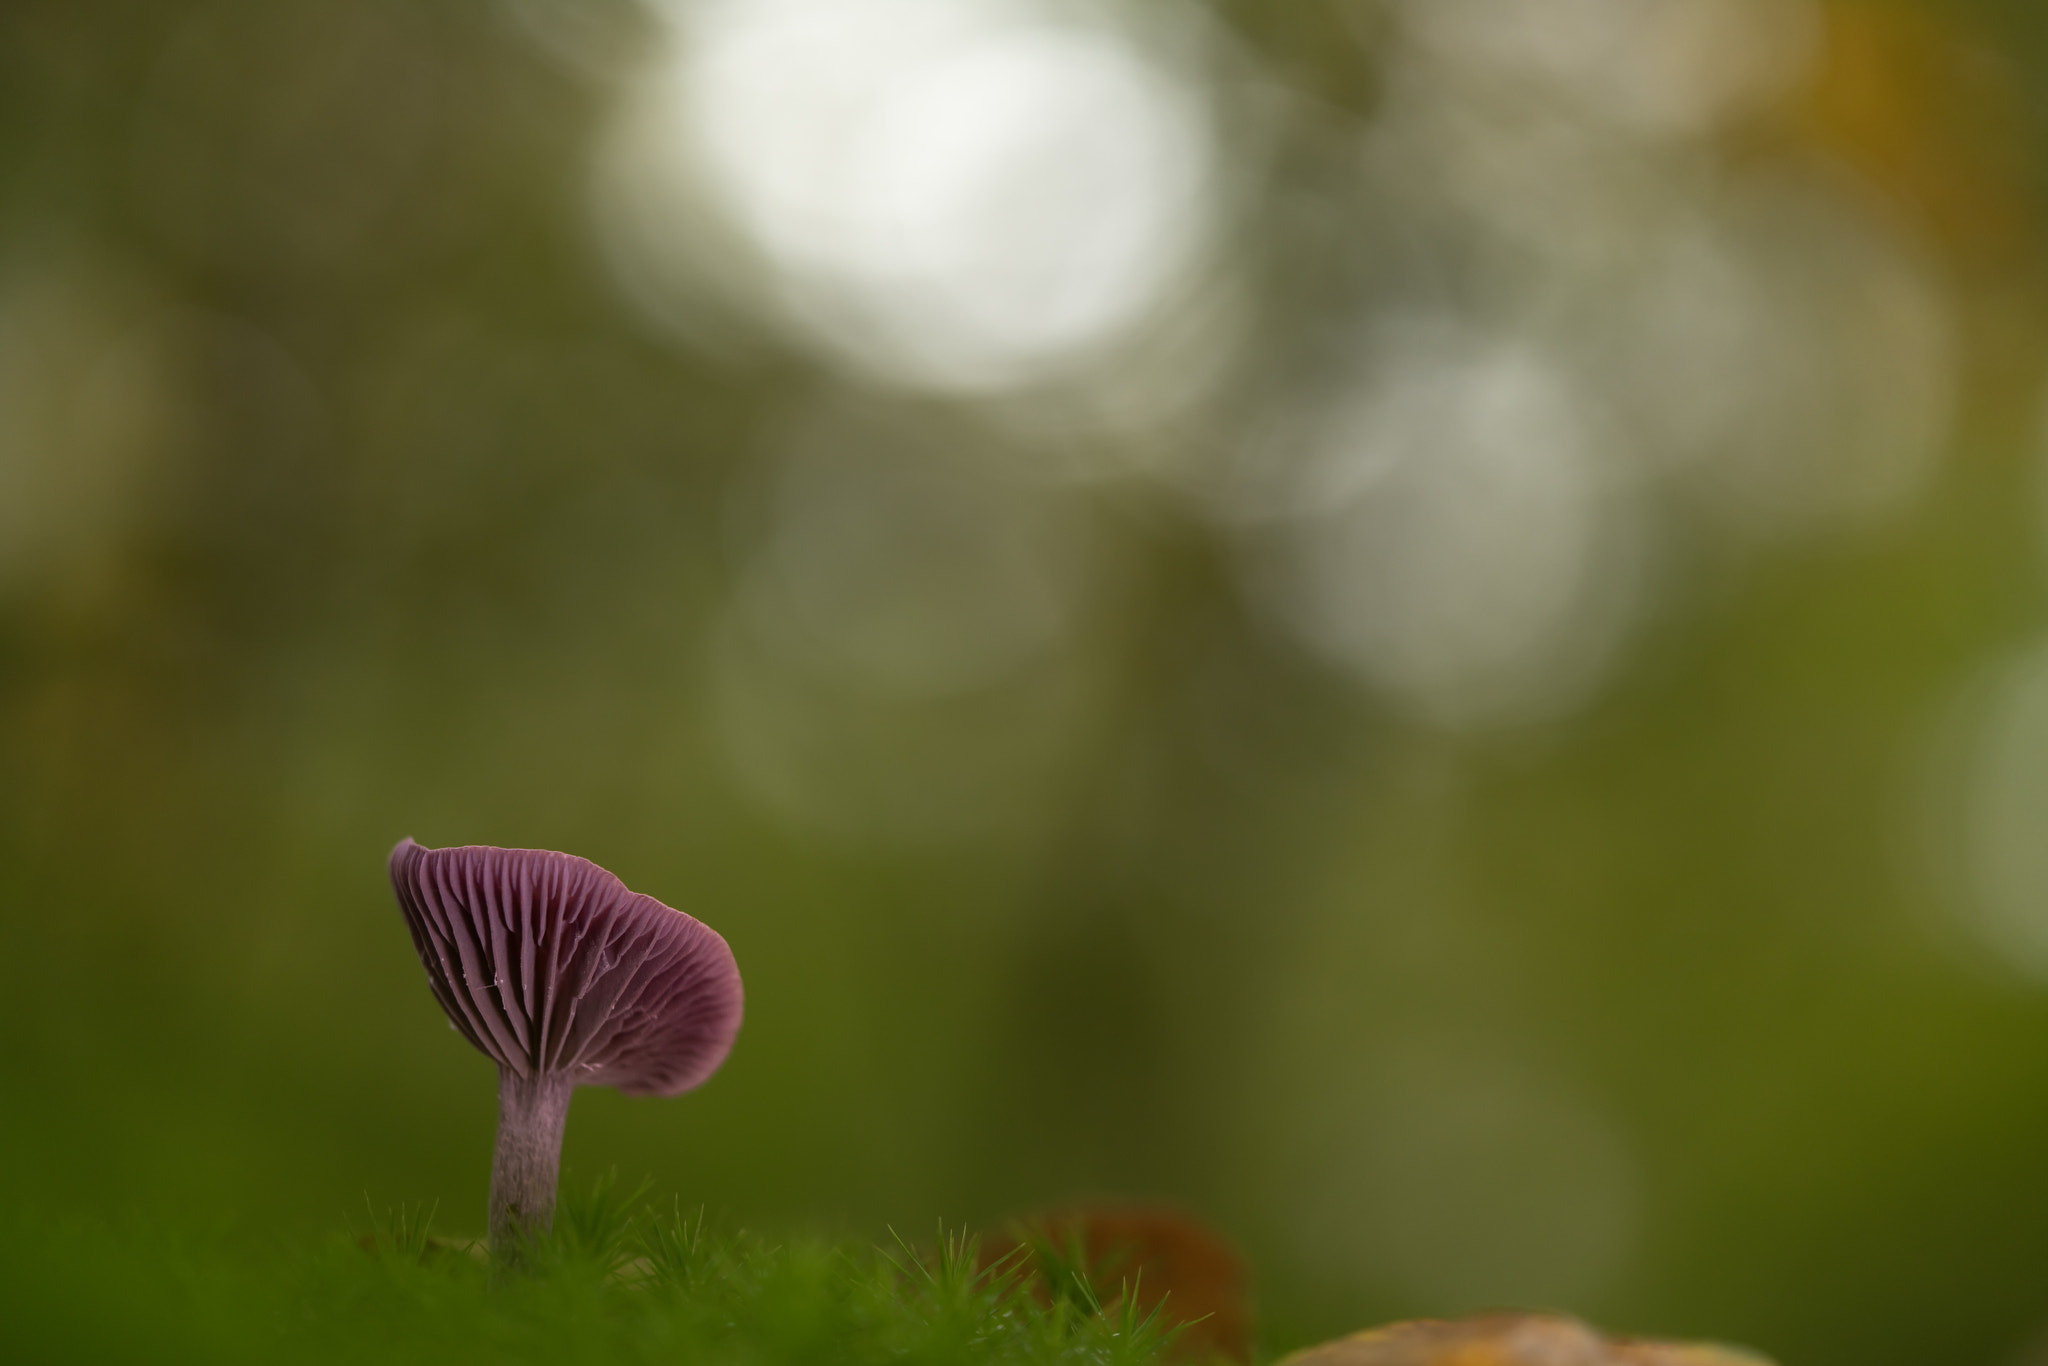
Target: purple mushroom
(563,978)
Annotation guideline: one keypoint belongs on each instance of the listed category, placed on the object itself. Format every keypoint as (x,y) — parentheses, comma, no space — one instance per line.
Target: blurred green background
(1415,626)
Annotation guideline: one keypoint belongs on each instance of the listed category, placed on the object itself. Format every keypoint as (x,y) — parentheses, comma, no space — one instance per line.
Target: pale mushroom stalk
(526,1166)
(564,978)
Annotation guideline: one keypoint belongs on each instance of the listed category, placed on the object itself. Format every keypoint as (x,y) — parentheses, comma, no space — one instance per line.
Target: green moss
(617,1281)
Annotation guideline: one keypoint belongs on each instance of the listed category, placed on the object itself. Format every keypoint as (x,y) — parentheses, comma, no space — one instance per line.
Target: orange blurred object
(1511,1340)
(1928,115)
(1172,1263)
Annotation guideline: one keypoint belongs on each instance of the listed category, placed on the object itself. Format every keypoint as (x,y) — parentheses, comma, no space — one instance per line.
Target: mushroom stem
(528,1161)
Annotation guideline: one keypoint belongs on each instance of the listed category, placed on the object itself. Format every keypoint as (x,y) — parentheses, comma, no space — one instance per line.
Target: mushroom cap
(1504,1339)
(550,966)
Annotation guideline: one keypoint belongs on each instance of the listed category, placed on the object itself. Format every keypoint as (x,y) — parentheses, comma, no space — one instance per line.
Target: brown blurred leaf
(1177,1266)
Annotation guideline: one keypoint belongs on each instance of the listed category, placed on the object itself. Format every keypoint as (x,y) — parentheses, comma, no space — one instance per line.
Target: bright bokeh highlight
(956,195)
